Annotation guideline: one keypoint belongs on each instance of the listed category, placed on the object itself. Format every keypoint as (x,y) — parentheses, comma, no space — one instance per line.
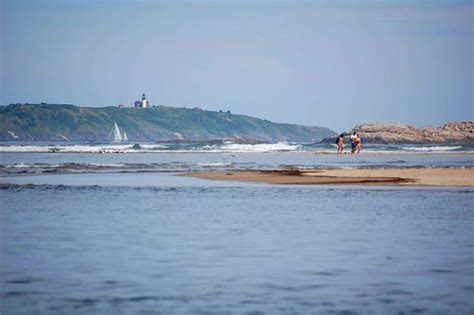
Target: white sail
(117,137)
(124,137)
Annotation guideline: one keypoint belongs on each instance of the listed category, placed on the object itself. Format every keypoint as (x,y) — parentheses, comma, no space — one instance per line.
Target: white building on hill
(143,103)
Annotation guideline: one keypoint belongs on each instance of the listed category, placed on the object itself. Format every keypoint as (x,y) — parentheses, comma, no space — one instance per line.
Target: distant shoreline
(28,122)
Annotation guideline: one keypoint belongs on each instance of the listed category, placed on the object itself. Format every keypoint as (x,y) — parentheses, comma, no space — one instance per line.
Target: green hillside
(69,122)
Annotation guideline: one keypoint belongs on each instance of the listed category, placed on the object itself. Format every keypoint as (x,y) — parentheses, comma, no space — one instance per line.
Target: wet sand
(387,177)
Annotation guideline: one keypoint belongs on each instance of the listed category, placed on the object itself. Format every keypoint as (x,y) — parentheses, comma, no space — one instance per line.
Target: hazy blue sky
(327,63)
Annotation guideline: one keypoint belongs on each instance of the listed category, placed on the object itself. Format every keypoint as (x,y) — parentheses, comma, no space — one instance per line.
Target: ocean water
(85,233)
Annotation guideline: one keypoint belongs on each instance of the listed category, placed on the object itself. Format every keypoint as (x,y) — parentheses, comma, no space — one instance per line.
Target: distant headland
(61,122)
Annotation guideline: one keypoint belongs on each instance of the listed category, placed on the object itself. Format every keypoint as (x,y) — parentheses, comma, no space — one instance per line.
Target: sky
(319,63)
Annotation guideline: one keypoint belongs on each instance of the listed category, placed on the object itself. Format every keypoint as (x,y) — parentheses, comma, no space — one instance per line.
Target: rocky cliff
(452,132)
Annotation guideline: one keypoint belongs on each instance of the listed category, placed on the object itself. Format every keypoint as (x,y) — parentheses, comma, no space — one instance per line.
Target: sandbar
(448,177)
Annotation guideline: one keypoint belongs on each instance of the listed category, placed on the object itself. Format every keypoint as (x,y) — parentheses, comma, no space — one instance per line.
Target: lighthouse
(144,101)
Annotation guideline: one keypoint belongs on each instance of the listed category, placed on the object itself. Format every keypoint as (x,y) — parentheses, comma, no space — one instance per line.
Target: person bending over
(353,142)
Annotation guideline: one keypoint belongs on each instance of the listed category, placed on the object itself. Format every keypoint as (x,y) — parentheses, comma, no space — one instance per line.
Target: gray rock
(396,133)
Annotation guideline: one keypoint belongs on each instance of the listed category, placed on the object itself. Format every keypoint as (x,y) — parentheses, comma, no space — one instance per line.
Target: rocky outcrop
(452,132)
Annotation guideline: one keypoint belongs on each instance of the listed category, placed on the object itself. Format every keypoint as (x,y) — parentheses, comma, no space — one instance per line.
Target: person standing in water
(340,143)
(358,144)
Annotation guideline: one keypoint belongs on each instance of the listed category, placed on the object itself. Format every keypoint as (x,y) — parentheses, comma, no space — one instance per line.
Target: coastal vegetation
(46,122)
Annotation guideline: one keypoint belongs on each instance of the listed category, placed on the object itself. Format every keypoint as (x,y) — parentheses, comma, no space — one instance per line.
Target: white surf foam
(106,148)
(227,147)
(431,148)
(261,147)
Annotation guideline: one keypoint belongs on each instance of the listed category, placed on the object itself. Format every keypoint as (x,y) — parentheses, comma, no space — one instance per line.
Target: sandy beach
(448,177)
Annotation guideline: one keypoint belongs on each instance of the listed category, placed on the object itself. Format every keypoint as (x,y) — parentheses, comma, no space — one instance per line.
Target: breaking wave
(431,148)
(225,147)
(220,147)
(264,147)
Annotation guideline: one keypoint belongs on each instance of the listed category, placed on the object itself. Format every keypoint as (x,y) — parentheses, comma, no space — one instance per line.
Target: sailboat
(116,136)
(124,137)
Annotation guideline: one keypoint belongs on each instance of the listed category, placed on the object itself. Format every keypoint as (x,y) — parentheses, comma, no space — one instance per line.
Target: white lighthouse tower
(144,101)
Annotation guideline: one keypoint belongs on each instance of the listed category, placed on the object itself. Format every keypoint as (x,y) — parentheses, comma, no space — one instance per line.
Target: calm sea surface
(122,234)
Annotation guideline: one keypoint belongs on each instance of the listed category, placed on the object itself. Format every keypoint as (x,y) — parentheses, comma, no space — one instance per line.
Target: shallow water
(59,163)
(105,241)
(233,250)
